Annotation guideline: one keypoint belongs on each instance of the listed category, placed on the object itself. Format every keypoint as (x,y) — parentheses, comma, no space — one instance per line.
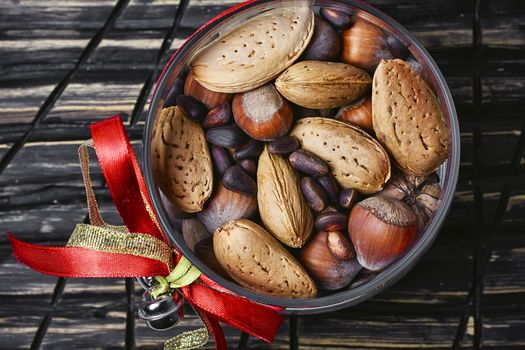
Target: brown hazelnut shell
(358,113)
(262,113)
(328,272)
(381,230)
(364,45)
(210,99)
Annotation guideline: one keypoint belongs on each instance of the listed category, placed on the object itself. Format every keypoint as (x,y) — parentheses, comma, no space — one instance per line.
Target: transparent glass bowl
(448,172)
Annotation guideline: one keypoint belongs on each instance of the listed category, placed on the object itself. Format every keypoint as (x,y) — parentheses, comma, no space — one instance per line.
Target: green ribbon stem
(182,275)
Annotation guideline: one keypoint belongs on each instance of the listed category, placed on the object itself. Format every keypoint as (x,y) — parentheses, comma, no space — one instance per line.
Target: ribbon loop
(141,248)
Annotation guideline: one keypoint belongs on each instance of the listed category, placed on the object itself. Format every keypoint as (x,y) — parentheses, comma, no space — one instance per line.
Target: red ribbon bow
(127,187)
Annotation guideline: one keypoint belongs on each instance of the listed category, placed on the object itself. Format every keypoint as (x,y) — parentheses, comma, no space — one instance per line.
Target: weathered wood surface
(450,298)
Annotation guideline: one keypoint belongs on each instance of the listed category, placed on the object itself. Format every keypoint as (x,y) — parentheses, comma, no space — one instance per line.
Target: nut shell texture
(328,272)
(257,51)
(262,113)
(320,85)
(408,119)
(257,261)
(357,161)
(381,230)
(182,160)
(226,205)
(282,206)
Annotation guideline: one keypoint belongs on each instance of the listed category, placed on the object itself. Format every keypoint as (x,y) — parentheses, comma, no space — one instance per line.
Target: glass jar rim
(392,273)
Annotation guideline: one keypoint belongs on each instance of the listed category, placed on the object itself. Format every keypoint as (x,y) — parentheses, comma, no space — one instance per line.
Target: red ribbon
(125,182)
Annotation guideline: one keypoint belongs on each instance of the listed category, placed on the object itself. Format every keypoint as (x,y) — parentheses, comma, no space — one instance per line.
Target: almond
(282,207)
(182,160)
(356,160)
(256,260)
(257,51)
(321,85)
(408,119)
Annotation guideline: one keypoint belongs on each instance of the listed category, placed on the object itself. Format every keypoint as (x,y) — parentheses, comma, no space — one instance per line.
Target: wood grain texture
(41,193)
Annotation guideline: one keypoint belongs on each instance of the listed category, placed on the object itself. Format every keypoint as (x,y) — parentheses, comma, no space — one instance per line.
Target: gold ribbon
(104,237)
(110,240)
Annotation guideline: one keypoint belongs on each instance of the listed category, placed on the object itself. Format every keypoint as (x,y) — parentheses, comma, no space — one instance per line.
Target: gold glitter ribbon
(104,237)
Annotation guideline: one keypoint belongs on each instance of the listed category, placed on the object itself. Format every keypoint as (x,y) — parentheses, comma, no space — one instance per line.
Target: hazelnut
(210,99)
(328,271)
(381,230)
(364,45)
(262,113)
(358,113)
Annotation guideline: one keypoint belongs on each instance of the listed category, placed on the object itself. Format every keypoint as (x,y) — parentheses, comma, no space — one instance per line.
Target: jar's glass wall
(172,81)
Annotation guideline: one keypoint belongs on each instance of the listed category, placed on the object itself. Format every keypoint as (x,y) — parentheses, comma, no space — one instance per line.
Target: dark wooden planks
(423,309)
(49,58)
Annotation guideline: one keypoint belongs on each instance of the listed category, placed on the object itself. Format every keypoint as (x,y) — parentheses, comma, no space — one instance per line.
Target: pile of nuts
(300,151)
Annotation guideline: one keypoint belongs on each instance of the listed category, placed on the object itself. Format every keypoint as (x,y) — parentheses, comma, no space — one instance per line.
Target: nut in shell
(182,160)
(339,245)
(282,206)
(237,180)
(211,99)
(252,149)
(331,221)
(364,45)
(313,193)
(331,188)
(256,260)
(220,158)
(338,19)
(193,109)
(408,119)
(358,113)
(321,85)
(329,272)
(255,52)
(381,230)
(262,113)
(356,160)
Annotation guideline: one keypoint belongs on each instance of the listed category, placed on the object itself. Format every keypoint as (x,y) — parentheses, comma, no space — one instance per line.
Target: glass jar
(170,82)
